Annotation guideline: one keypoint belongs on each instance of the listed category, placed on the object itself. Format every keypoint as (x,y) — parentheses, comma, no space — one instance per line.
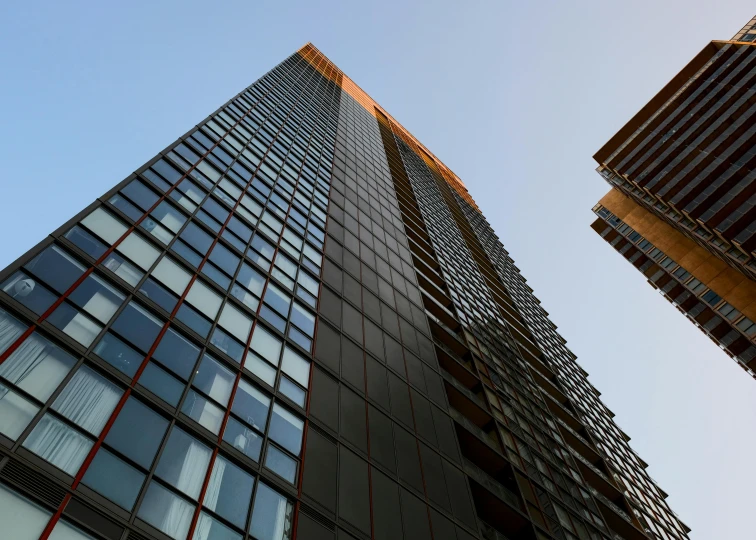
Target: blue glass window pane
(251,405)
(160,383)
(159,294)
(114,478)
(292,391)
(227,344)
(137,326)
(140,194)
(286,429)
(243,438)
(137,432)
(197,238)
(211,271)
(86,242)
(188,254)
(193,320)
(177,353)
(281,464)
(271,516)
(232,492)
(119,355)
(225,259)
(29,292)
(304,320)
(56,268)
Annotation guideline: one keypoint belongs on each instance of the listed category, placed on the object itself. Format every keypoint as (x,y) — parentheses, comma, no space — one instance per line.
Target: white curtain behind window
(88,400)
(211,498)
(190,481)
(36,367)
(10,330)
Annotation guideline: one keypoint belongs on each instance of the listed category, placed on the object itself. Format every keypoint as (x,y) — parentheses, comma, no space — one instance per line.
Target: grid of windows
(292,324)
(185,303)
(725,325)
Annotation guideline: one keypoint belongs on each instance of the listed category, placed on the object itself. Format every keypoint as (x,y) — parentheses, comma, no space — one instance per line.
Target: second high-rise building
(294,322)
(682,208)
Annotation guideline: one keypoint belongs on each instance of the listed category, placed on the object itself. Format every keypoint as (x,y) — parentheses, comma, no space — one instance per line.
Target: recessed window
(137,326)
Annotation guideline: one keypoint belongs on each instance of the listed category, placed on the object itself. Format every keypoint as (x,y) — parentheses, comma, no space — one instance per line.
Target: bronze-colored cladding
(727,282)
(328,69)
(691,146)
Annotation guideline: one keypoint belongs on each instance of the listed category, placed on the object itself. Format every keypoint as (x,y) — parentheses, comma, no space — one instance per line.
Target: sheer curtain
(37,366)
(190,480)
(211,498)
(54,441)
(88,400)
(10,330)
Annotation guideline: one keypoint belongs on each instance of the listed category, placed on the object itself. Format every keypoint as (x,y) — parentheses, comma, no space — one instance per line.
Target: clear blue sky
(515,97)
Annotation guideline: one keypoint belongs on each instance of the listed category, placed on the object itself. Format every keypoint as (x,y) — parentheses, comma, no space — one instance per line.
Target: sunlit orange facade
(682,205)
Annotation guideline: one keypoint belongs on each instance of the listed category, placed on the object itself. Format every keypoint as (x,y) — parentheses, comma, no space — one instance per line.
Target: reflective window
(166,511)
(74,324)
(286,429)
(204,299)
(183,463)
(209,528)
(233,320)
(66,531)
(214,380)
(137,326)
(138,250)
(104,225)
(114,479)
(172,275)
(243,438)
(281,464)
(229,492)
(203,411)
(97,297)
(271,516)
(15,412)
(251,405)
(26,290)
(177,353)
(137,432)
(54,441)
(56,268)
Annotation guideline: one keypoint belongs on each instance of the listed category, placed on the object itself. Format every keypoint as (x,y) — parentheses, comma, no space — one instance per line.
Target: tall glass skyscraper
(294,322)
(682,208)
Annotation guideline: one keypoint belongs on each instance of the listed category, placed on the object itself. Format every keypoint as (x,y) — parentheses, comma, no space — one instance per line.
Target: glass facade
(294,323)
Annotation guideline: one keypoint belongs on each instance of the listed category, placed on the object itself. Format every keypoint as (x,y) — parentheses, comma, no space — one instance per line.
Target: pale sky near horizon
(515,97)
